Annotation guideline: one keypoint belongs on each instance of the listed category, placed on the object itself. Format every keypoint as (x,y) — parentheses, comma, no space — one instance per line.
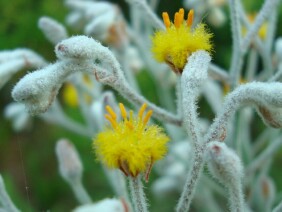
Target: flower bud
(271,116)
(9,68)
(70,166)
(17,114)
(53,30)
(78,47)
(217,17)
(38,89)
(224,164)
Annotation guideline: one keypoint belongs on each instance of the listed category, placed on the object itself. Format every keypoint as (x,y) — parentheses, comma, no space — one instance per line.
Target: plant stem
(137,194)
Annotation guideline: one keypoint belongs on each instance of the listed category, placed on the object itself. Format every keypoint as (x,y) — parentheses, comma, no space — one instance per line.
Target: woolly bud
(9,68)
(114,205)
(224,164)
(94,54)
(70,166)
(90,9)
(75,20)
(217,17)
(271,116)
(38,89)
(53,30)
(278,48)
(264,194)
(80,47)
(17,114)
(32,59)
(99,27)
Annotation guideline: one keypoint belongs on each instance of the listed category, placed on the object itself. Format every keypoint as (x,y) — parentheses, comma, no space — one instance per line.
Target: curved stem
(192,179)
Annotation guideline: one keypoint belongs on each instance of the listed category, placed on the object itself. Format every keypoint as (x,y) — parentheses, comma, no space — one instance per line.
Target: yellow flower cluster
(179,40)
(130,145)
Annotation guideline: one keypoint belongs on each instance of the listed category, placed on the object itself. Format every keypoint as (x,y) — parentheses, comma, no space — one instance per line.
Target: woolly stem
(252,65)
(135,98)
(218,73)
(192,179)
(278,208)
(267,8)
(249,94)
(148,13)
(267,153)
(194,74)
(80,193)
(236,197)
(137,194)
(236,63)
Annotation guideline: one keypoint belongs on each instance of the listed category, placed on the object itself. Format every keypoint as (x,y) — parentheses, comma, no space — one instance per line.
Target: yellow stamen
(141,111)
(123,111)
(190,18)
(131,116)
(111,112)
(181,15)
(111,120)
(166,19)
(177,20)
(147,117)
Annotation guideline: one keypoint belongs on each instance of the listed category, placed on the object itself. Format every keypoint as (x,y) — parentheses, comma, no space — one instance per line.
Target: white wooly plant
(235,157)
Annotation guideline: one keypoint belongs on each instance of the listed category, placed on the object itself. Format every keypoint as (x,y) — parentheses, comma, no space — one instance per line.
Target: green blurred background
(28,159)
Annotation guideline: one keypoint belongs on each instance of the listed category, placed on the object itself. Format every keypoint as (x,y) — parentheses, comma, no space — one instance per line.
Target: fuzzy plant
(210,164)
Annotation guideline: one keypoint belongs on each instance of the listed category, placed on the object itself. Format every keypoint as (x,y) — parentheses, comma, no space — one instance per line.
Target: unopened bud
(17,114)
(70,166)
(271,116)
(53,30)
(224,164)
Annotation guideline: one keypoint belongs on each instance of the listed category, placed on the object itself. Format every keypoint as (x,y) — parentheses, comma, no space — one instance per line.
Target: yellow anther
(111,120)
(147,117)
(190,18)
(177,18)
(181,15)
(111,112)
(166,19)
(123,111)
(141,111)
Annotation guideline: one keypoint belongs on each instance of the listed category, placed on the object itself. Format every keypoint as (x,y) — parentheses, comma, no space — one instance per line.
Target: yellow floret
(130,144)
(180,40)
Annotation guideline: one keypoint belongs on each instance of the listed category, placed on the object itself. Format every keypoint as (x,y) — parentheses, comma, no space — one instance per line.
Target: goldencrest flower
(130,145)
(179,40)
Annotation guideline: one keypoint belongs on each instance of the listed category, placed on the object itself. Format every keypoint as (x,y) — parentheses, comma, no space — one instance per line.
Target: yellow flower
(130,145)
(179,40)
(70,95)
